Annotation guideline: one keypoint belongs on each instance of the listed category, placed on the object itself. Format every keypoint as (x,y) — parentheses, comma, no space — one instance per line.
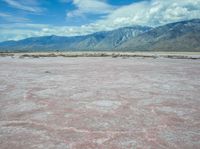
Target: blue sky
(26,18)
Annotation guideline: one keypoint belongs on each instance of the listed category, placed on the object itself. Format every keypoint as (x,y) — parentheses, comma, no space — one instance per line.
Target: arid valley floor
(99,103)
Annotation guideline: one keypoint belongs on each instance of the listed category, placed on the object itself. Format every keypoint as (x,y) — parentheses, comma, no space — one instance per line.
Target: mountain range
(178,36)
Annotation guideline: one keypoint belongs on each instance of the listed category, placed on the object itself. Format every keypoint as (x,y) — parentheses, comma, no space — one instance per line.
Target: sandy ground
(99,103)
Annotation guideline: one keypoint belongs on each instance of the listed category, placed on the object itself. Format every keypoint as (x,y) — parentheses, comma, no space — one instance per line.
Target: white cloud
(90,7)
(26,5)
(153,13)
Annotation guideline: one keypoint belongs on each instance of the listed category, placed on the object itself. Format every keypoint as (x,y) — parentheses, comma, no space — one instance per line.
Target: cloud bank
(156,12)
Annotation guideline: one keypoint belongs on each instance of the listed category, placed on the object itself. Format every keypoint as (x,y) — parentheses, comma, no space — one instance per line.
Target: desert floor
(99,103)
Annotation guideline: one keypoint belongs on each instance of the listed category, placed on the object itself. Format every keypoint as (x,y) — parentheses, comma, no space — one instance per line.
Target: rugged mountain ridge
(178,36)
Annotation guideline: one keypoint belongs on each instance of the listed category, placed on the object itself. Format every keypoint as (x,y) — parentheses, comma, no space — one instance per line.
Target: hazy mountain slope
(89,42)
(119,36)
(97,41)
(45,43)
(180,36)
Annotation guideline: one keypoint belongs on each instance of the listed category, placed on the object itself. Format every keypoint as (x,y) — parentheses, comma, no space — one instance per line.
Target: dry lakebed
(99,103)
